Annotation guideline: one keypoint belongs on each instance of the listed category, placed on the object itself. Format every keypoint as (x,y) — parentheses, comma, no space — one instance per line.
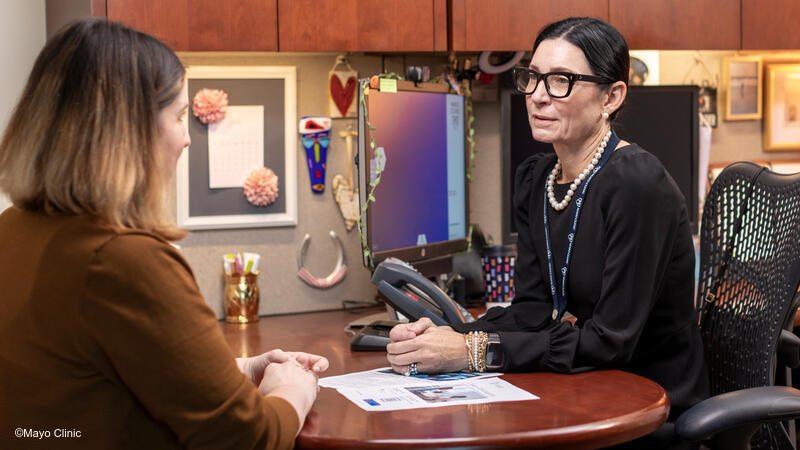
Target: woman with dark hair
(105,339)
(604,275)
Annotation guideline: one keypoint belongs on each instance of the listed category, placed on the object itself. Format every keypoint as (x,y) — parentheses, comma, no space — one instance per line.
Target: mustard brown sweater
(106,342)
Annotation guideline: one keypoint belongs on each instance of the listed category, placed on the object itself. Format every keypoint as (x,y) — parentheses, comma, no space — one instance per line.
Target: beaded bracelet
(468,343)
(476,342)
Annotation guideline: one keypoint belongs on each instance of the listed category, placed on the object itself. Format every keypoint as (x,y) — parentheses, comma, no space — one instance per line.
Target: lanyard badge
(560,295)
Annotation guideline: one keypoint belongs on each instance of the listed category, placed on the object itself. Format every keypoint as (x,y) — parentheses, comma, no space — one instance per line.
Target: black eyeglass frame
(572,77)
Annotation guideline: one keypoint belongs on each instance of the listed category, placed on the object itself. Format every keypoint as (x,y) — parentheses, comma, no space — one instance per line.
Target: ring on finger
(411,370)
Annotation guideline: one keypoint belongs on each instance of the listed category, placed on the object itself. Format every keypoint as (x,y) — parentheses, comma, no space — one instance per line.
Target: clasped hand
(289,375)
(434,349)
(254,367)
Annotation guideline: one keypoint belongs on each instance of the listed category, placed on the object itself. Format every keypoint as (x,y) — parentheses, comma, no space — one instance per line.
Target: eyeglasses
(557,84)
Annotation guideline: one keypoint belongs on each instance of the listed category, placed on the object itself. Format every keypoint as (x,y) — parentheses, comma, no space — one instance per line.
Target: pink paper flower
(261,187)
(210,105)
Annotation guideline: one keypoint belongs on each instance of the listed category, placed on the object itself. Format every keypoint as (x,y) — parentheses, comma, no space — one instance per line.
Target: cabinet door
(677,24)
(203,25)
(362,25)
(770,24)
(512,24)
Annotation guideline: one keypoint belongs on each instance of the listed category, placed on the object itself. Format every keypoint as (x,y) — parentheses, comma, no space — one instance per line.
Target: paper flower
(210,105)
(261,187)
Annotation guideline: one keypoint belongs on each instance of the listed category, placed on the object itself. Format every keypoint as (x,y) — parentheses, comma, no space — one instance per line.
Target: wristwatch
(494,352)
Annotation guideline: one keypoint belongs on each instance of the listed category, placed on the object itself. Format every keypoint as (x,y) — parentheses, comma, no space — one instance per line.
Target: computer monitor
(664,120)
(420,210)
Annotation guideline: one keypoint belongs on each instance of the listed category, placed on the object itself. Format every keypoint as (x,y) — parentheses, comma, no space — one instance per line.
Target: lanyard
(560,298)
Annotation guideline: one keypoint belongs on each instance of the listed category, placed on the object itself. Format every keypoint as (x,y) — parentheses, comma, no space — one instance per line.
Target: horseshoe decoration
(334,277)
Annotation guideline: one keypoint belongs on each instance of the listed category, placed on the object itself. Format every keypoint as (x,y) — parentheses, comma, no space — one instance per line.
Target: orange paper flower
(261,187)
(210,105)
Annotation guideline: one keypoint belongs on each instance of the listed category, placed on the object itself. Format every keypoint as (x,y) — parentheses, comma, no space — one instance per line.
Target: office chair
(749,278)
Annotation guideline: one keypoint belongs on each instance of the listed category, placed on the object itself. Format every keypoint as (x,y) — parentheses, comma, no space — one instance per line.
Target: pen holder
(498,273)
(241,298)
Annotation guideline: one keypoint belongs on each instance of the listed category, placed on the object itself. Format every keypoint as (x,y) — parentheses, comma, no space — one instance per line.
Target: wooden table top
(589,410)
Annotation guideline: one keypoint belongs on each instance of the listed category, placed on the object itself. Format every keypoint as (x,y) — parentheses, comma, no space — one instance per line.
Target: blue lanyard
(560,298)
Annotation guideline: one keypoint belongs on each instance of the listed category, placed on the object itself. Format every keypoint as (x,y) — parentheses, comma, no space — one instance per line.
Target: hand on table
(289,375)
(293,382)
(254,367)
(433,348)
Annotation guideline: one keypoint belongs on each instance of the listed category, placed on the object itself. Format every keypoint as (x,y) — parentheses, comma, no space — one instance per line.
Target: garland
(362,98)
(471,128)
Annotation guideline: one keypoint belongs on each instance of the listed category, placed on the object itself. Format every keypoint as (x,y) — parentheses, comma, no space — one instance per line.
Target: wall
(24,20)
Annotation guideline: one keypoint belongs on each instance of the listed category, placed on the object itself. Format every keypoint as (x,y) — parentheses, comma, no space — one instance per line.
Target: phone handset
(407,291)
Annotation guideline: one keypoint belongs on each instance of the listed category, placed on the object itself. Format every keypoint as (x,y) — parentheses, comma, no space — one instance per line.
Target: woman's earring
(605,115)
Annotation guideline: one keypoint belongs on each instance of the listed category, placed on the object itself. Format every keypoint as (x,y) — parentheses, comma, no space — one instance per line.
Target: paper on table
(235,146)
(485,390)
(385,376)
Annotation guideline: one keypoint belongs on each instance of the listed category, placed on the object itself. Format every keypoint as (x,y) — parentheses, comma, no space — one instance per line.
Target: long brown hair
(82,138)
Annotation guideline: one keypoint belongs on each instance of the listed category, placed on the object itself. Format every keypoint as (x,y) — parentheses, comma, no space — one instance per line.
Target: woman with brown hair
(105,339)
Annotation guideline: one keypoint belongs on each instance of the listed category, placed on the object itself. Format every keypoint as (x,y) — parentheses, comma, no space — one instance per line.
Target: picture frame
(741,77)
(272,90)
(782,107)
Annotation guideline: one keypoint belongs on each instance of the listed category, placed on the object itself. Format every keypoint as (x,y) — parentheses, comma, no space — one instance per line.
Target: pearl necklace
(558,206)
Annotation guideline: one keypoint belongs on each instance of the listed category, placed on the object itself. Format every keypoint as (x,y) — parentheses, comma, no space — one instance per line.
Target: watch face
(494,355)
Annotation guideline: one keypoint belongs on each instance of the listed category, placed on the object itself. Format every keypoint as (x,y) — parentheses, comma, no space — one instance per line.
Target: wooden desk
(589,410)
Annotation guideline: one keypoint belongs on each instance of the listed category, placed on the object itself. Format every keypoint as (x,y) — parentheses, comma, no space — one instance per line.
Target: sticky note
(388,85)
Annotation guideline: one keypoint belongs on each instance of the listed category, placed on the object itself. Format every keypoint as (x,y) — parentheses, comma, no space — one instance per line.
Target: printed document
(384,390)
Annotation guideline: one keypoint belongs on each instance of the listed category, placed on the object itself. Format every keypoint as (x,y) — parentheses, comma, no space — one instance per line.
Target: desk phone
(411,295)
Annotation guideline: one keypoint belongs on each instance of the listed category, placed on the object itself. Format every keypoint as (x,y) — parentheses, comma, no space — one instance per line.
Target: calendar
(235,146)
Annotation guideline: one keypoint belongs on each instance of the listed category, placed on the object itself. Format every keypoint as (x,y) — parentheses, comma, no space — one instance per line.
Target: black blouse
(630,285)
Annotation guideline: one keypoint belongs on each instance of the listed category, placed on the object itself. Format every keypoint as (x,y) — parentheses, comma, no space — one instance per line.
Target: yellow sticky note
(388,85)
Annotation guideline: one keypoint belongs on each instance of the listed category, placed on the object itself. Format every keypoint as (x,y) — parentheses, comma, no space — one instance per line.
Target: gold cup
(241,298)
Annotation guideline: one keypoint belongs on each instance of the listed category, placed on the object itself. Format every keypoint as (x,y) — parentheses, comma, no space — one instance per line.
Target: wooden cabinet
(770,24)
(203,25)
(677,24)
(512,24)
(459,25)
(362,25)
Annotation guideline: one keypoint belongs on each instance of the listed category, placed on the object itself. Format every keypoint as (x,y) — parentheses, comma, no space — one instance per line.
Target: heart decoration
(347,199)
(342,95)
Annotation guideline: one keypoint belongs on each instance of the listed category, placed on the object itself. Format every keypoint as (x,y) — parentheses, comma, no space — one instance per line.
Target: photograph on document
(445,394)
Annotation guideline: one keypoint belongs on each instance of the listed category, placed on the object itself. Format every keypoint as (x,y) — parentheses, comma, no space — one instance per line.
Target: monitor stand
(434,267)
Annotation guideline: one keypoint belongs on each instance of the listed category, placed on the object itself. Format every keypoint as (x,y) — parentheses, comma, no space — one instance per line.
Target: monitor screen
(661,119)
(420,207)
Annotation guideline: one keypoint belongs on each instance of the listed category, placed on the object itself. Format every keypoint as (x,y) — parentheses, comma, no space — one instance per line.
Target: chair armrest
(789,349)
(745,408)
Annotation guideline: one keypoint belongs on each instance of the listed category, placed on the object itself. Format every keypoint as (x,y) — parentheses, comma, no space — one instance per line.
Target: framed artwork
(782,107)
(741,77)
(255,140)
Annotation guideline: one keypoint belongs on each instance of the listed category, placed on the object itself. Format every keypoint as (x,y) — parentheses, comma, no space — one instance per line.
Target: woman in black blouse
(614,224)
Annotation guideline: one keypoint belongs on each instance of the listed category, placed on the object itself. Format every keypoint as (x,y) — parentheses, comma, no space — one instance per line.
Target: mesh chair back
(749,274)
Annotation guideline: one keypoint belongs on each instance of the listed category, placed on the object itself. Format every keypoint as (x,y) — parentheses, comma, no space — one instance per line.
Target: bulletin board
(272,89)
